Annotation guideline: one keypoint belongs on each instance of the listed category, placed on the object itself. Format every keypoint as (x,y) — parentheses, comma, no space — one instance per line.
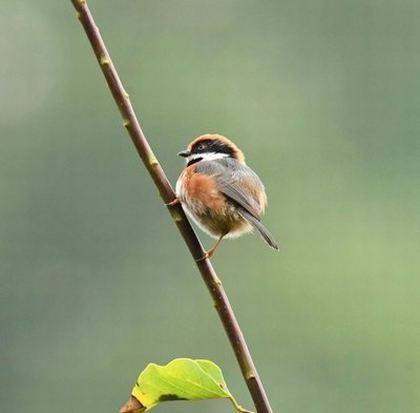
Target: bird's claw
(206,256)
(174,202)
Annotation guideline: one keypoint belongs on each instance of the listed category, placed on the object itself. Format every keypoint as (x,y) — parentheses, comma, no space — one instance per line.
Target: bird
(220,192)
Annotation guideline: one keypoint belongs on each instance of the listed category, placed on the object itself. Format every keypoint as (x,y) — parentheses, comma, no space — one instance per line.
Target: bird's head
(210,147)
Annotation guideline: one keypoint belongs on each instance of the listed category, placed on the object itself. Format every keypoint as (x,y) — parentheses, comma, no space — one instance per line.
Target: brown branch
(205,267)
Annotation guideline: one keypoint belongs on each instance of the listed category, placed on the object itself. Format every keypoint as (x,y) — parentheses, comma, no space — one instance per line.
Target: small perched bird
(220,192)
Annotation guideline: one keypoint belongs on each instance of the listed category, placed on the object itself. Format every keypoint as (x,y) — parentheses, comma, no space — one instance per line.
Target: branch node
(126,123)
(250,375)
(153,162)
(104,60)
(176,215)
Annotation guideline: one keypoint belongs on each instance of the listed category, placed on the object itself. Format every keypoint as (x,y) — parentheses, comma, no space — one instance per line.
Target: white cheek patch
(190,158)
(206,156)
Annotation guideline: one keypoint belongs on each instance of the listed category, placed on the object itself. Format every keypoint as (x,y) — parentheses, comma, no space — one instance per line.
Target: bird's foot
(204,257)
(174,202)
(208,254)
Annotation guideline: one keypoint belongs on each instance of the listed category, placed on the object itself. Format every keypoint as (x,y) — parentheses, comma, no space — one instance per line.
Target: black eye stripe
(212,146)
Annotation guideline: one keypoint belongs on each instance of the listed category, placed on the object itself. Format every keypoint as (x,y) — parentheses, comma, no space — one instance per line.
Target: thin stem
(150,161)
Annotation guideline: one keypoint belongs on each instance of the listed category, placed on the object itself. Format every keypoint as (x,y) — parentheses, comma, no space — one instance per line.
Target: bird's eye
(201,147)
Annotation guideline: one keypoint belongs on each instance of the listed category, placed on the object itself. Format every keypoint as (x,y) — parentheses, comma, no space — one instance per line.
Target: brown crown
(237,153)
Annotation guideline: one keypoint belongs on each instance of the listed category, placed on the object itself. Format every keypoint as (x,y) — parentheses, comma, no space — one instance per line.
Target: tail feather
(257,224)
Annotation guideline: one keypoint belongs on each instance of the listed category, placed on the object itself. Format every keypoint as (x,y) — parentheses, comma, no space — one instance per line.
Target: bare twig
(132,406)
(206,269)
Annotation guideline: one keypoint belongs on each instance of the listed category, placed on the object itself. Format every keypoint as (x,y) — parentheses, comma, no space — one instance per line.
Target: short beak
(185,153)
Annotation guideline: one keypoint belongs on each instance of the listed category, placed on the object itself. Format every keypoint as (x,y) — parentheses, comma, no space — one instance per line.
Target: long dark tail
(257,224)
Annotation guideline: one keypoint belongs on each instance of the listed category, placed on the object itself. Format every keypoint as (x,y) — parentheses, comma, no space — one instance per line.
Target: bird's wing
(236,181)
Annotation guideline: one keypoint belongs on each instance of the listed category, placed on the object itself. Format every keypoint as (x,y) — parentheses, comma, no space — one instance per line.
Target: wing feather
(236,181)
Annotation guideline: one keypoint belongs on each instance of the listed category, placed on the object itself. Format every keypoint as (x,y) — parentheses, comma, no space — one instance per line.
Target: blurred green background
(323,97)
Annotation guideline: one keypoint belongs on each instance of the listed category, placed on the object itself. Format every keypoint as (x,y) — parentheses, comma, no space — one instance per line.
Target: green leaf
(182,379)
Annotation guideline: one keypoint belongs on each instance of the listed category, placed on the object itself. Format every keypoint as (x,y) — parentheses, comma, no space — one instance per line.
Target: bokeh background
(323,97)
